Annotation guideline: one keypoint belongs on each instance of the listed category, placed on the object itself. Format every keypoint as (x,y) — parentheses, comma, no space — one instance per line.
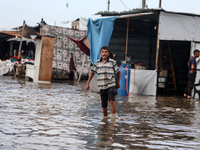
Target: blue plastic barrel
(123,80)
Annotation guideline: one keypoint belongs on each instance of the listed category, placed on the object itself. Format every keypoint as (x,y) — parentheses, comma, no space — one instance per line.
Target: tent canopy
(28,32)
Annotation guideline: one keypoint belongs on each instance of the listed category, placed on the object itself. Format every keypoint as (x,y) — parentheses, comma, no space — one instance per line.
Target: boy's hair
(105,47)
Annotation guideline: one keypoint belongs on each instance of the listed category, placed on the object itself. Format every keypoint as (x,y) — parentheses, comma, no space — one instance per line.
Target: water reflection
(175,102)
(105,135)
(66,116)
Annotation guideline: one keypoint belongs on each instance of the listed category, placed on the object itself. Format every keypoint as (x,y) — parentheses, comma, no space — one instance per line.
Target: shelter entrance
(172,62)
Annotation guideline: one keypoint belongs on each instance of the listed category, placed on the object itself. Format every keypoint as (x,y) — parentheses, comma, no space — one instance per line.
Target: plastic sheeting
(28,31)
(179,27)
(144,80)
(82,24)
(5,67)
(99,34)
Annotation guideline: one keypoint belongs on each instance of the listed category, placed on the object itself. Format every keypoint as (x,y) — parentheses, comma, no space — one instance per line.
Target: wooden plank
(127,41)
(157,46)
(46,59)
(20,45)
(135,15)
(161,62)
(172,67)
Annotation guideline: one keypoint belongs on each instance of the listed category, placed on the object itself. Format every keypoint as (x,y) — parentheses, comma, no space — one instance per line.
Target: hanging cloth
(83,44)
(99,34)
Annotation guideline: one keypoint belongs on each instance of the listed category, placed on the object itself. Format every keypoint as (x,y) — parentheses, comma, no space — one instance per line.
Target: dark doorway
(180,53)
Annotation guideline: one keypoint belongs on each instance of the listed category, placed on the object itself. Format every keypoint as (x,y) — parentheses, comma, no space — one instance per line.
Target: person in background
(112,56)
(19,68)
(22,55)
(15,52)
(6,56)
(106,68)
(192,71)
(31,54)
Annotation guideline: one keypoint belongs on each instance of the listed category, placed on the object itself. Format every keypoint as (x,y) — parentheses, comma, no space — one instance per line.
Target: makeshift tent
(28,32)
(150,33)
(5,35)
(41,71)
(4,45)
(13,36)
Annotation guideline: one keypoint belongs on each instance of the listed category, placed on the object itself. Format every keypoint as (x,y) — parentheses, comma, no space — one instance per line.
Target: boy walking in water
(106,68)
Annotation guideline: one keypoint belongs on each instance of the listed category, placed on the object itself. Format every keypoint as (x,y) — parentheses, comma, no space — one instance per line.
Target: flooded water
(65,116)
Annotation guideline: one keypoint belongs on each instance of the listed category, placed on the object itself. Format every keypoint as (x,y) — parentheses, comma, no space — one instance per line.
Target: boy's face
(104,53)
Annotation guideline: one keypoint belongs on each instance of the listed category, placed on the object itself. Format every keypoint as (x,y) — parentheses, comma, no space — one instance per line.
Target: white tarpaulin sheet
(145,82)
(179,27)
(82,24)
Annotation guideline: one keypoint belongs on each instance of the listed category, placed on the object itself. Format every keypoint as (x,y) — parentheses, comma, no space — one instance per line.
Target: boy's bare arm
(89,79)
(118,78)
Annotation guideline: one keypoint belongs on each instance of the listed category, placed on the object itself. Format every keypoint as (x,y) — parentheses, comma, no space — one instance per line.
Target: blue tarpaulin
(99,34)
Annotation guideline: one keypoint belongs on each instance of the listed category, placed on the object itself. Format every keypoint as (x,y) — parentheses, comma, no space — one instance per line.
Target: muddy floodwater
(65,116)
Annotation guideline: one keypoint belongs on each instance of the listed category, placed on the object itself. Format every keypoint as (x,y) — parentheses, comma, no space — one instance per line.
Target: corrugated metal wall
(141,43)
(142,47)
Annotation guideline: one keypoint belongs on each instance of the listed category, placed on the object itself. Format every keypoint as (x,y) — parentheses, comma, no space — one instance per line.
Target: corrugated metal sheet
(141,43)
(137,11)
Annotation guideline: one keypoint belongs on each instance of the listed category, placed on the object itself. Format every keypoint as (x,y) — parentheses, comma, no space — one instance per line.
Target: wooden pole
(126,40)
(135,15)
(84,57)
(108,5)
(157,47)
(143,4)
(20,46)
(192,47)
(160,1)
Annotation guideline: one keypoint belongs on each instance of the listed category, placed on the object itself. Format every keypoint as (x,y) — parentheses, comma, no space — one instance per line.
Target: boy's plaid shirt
(105,73)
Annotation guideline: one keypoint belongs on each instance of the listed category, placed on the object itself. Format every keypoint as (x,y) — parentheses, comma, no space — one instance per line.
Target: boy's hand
(87,86)
(117,85)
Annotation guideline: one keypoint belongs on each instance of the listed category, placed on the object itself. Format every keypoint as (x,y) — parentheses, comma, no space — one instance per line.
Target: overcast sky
(57,12)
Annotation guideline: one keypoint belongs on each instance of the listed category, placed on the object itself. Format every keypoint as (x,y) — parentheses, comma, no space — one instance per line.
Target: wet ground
(65,116)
